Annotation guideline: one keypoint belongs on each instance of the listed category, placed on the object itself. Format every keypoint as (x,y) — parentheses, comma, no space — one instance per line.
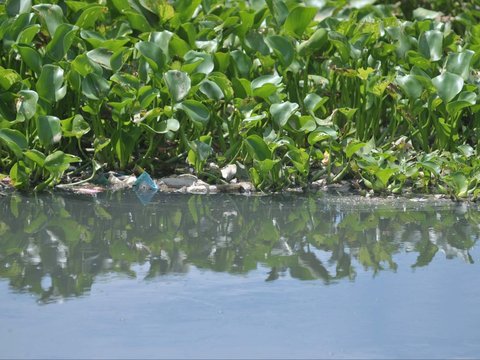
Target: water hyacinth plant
(383,93)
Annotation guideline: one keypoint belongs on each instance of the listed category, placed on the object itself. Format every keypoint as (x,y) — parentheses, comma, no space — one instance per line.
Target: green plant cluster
(385,95)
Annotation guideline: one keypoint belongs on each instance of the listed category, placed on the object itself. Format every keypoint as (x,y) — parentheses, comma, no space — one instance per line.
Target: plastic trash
(145,188)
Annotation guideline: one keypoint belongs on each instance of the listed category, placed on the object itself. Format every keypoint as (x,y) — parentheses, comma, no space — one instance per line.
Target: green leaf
(384,175)
(430,44)
(282,48)
(8,78)
(51,15)
(49,130)
(101,56)
(61,42)
(15,7)
(95,87)
(316,42)
(282,112)
(19,175)
(257,148)
(465,99)
(298,19)
(313,102)
(459,63)
(353,147)
(178,84)
(211,90)
(36,156)
(50,84)
(321,133)
(448,85)
(75,126)
(410,85)
(242,62)
(90,15)
(459,182)
(26,105)
(152,53)
(58,162)
(196,111)
(14,140)
(30,57)
(198,62)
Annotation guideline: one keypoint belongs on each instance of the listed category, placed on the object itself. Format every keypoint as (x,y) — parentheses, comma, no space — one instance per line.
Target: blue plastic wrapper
(145,188)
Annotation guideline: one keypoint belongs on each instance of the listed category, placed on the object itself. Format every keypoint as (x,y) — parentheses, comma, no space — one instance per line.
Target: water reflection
(55,246)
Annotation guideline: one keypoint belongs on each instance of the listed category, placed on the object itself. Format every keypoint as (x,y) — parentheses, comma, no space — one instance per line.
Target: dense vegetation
(384,95)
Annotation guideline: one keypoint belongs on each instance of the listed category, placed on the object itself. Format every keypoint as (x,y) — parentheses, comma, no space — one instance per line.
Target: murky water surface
(233,276)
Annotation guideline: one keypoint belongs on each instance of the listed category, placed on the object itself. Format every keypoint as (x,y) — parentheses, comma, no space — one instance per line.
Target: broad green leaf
(430,44)
(137,21)
(49,130)
(36,156)
(353,147)
(51,15)
(313,102)
(465,99)
(266,79)
(8,78)
(178,84)
(279,11)
(152,53)
(299,158)
(459,182)
(75,126)
(58,162)
(448,85)
(211,90)
(384,175)
(316,42)
(95,87)
(26,104)
(201,151)
(28,34)
(30,57)
(282,47)
(242,62)
(14,140)
(101,56)
(50,84)
(196,111)
(162,40)
(15,7)
(282,112)
(321,133)
(90,15)
(298,20)
(466,150)
(410,85)
(84,66)
(19,175)
(61,42)
(459,63)
(257,148)
(198,62)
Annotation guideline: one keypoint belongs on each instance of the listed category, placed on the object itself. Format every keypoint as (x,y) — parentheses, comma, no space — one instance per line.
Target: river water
(223,276)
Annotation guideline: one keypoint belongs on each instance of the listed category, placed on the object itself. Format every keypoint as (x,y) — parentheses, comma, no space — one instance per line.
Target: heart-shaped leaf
(51,15)
(448,85)
(196,111)
(49,130)
(16,7)
(178,84)
(257,148)
(298,20)
(282,48)
(211,90)
(50,84)
(282,112)
(459,63)
(14,140)
(410,85)
(430,44)
(26,105)
(61,42)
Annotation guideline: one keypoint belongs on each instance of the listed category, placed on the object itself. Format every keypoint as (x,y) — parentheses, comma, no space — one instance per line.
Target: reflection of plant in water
(55,246)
